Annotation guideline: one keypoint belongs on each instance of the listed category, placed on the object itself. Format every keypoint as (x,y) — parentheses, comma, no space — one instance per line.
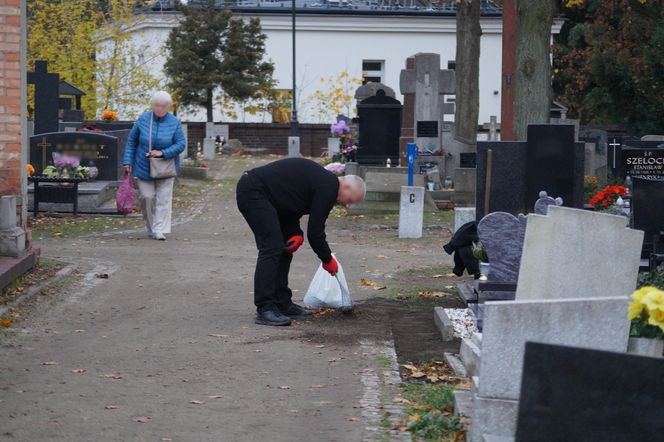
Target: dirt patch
(409,322)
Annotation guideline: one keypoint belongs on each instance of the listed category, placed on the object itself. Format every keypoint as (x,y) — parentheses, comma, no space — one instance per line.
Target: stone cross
(492,125)
(429,83)
(46,98)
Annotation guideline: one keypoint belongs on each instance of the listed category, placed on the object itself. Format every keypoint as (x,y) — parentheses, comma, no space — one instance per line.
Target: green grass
(71,227)
(383,362)
(430,415)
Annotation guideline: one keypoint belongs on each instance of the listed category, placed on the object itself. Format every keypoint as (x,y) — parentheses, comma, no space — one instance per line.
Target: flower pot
(646,347)
(485,269)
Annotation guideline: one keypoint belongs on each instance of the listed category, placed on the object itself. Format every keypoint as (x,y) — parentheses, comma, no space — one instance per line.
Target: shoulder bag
(159,166)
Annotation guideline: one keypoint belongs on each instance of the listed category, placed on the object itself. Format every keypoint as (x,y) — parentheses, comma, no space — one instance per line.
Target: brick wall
(12,172)
(270,138)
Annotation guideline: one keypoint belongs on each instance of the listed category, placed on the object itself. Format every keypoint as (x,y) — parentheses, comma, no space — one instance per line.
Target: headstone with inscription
(99,148)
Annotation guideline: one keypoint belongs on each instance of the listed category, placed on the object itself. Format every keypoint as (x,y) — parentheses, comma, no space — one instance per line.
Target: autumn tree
(124,78)
(62,33)
(211,52)
(89,44)
(608,63)
(336,95)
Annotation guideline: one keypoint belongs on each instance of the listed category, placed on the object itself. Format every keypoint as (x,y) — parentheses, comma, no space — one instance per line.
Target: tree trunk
(209,106)
(467,71)
(533,64)
(111,75)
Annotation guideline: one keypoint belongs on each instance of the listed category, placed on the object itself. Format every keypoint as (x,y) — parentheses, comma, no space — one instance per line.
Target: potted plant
(479,252)
(646,311)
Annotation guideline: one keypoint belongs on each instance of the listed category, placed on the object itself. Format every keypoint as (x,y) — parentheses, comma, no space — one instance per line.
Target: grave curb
(444,323)
(35,290)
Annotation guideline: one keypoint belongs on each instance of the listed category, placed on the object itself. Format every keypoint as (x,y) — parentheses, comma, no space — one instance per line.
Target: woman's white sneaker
(159,236)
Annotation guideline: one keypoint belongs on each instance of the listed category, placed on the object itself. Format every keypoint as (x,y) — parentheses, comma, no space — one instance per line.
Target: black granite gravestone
(573,394)
(550,160)
(88,146)
(46,98)
(620,149)
(379,119)
(554,163)
(648,209)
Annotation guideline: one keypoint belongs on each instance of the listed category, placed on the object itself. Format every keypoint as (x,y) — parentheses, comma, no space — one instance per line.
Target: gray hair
(357,184)
(161,96)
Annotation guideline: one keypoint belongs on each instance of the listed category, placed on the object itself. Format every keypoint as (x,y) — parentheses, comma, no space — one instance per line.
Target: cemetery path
(166,348)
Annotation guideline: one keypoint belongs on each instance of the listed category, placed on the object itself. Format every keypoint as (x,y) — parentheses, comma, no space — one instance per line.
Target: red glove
(294,243)
(332,266)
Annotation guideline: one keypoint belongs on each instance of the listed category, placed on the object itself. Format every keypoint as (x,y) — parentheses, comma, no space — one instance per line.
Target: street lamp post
(294,108)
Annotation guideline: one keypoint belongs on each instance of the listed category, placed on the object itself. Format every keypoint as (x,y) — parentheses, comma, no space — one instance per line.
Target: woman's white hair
(161,97)
(357,184)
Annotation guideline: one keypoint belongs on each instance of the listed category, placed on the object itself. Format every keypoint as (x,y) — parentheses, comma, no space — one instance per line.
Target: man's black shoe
(294,311)
(272,317)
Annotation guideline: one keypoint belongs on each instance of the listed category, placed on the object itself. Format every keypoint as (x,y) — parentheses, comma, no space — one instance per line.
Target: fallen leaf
(318,386)
(111,407)
(102,275)
(373,284)
(6,323)
(215,335)
(284,387)
(195,402)
(50,363)
(215,397)
(437,276)
(78,370)
(320,346)
(381,256)
(142,419)
(352,419)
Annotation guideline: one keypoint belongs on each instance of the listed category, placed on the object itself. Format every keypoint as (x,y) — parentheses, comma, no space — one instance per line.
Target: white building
(371,41)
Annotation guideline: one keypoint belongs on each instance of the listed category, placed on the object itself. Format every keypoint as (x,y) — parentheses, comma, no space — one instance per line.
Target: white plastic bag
(326,290)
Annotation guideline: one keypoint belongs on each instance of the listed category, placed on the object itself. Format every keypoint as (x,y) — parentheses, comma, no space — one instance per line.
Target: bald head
(352,190)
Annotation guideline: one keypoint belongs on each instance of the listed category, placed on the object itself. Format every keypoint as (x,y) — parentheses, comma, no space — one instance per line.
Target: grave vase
(646,347)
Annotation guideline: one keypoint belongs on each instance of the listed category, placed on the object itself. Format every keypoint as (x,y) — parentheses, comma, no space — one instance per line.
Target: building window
(451,64)
(373,71)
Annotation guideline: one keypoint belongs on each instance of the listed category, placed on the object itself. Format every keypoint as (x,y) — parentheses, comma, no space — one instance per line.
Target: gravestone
(88,146)
(369,90)
(379,120)
(293,147)
(573,253)
(574,394)
(648,209)
(599,323)
(429,83)
(502,235)
(645,163)
(550,160)
(46,98)
(622,149)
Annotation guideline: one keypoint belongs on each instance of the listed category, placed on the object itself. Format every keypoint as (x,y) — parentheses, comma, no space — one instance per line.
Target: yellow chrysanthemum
(637,306)
(656,318)
(653,299)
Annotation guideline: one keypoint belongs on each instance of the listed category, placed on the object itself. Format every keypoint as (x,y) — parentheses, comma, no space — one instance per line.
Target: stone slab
(463,215)
(469,352)
(496,417)
(455,363)
(411,212)
(599,323)
(209,149)
(91,195)
(573,253)
(293,147)
(502,235)
(8,212)
(444,323)
(463,403)
(13,267)
(573,394)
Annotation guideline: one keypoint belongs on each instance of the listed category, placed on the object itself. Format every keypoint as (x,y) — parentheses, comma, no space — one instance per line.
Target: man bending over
(273,198)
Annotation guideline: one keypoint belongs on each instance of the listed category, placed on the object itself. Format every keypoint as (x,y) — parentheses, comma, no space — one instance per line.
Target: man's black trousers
(271,276)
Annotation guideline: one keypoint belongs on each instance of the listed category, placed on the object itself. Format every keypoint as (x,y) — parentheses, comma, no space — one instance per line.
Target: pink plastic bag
(125,198)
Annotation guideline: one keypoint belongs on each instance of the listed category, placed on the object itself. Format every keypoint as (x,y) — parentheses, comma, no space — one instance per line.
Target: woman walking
(152,154)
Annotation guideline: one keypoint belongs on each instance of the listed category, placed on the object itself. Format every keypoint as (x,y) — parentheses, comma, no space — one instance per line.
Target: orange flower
(30,169)
(6,323)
